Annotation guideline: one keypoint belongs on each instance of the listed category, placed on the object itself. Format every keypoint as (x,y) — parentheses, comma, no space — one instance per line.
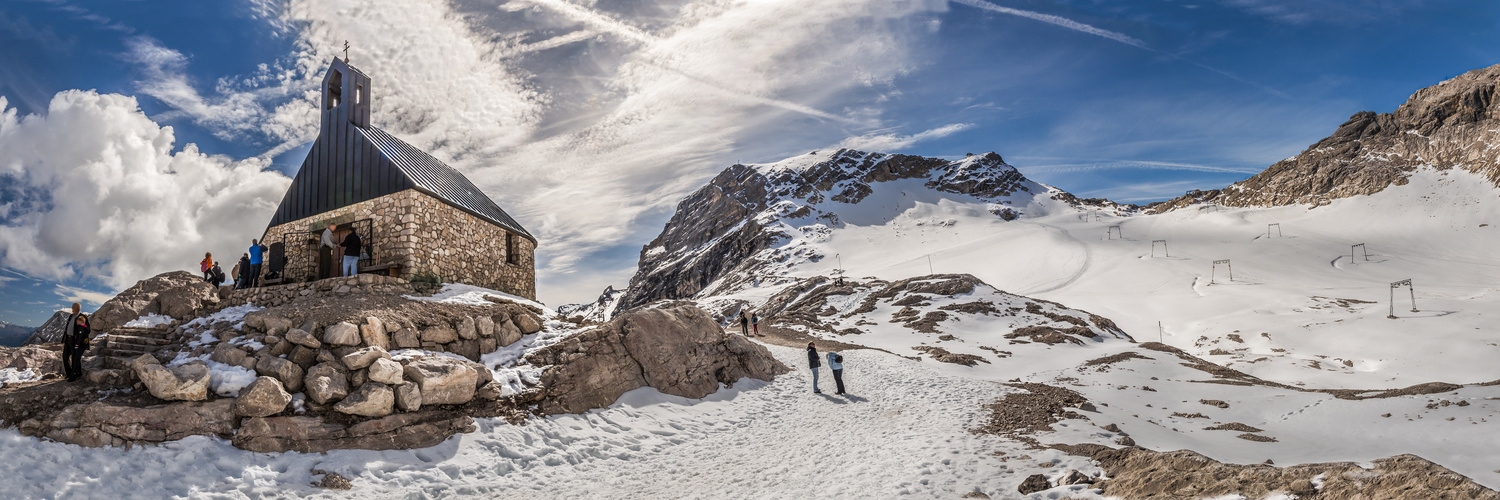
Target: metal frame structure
(1164,250)
(1398,284)
(1212,273)
(1278,229)
(1111,231)
(1361,246)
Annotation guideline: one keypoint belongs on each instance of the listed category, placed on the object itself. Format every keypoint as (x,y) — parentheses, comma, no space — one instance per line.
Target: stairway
(124,343)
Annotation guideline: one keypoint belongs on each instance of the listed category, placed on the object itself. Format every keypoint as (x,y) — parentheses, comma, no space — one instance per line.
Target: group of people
(748,322)
(835,364)
(246,272)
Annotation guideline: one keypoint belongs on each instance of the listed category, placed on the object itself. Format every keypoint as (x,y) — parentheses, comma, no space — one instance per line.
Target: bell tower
(346,96)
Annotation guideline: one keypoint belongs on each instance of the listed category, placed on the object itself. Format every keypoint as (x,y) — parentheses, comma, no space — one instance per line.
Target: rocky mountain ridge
(749,215)
(1449,125)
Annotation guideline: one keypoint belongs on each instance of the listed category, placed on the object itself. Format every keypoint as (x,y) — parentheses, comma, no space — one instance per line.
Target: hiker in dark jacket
(836,365)
(242,272)
(744,324)
(75,340)
(812,361)
(217,275)
(351,246)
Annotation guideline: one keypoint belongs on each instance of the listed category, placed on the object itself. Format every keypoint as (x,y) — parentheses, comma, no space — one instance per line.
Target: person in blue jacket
(836,364)
(812,361)
(257,254)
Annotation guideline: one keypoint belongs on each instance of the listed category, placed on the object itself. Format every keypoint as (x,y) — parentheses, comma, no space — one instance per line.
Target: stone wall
(422,234)
(271,296)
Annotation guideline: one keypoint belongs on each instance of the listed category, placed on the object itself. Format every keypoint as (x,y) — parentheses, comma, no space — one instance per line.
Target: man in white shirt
(333,245)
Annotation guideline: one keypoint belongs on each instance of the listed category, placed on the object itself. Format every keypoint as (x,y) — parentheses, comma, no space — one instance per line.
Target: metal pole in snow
(1413,291)
(1160,333)
(929,265)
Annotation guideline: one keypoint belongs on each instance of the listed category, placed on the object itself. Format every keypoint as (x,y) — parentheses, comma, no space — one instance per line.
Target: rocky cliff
(52,330)
(1454,124)
(737,221)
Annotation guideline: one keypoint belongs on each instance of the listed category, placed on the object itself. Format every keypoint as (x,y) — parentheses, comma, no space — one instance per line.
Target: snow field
(903,432)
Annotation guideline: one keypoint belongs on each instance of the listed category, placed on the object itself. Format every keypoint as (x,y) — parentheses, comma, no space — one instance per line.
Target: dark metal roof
(436,178)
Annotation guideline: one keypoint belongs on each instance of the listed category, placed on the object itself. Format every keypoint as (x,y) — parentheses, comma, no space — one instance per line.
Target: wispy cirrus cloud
(895,142)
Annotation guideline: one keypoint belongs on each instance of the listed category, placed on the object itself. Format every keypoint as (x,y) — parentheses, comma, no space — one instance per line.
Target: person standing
(206,266)
(755,323)
(329,242)
(744,324)
(75,341)
(216,275)
(351,253)
(257,255)
(836,365)
(242,272)
(812,361)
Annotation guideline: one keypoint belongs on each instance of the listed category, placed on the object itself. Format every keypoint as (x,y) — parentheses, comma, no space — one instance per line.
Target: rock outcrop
(311,434)
(188,382)
(1448,125)
(674,347)
(103,424)
(41,361)
(178,294)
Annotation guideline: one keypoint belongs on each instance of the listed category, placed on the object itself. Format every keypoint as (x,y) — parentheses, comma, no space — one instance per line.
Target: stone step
(118,362)
(132,339)
(128,351)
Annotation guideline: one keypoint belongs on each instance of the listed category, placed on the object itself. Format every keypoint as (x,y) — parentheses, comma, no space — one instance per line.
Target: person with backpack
(836,365)
(216,275)
(744,324)
(755,323)
(206,266)
(812,361)
(75,340)
(242,272)
(257,255)
(352,246)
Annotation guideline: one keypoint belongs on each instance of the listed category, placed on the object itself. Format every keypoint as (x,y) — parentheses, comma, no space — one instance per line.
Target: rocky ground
(353,365)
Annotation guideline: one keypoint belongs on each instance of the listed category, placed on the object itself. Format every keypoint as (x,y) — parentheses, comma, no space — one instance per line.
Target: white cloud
(81,296)
(110,199)
(893,143)
(1056,21)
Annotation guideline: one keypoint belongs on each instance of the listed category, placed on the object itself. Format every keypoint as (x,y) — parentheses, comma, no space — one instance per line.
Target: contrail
(1056,21)
(1118,37)
(611,25)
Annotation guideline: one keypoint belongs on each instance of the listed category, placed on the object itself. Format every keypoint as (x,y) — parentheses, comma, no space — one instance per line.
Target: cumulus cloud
(97,192)
(895,142)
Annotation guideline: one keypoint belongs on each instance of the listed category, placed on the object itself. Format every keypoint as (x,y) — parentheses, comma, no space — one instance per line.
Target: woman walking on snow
(755,323)
(812,361)
(836,365)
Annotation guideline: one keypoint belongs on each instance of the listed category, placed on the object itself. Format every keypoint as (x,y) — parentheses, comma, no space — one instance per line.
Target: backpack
(838,358)
(218,274)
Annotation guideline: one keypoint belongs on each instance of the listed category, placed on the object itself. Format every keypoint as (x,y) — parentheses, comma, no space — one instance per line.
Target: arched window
(335,89)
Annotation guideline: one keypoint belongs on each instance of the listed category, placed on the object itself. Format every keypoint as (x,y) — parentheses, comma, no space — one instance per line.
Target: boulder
(110,377)
(268,321)
(440,334)
(303,356)
(103,424)
(506,333)
(467,330)
(490,391)
(326,383)
(188,382)
(179,294)
(358,377)
(485,326)
(385,371)
(676,348)
(36,359)
(408,397)
(228,354)
(342,333)
(487,345)
(1033,484)
(262,398)
(310,434)
(466,348)
(374,334)
(443,380)
(405,338)
(372,399)
(359,359)
(284,370)
(527,322)
(303,338)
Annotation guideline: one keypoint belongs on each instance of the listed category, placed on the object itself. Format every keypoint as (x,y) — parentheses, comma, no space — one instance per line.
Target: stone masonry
(421,234)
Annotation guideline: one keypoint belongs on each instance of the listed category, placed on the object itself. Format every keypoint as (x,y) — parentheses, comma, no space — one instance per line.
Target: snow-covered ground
(903,431)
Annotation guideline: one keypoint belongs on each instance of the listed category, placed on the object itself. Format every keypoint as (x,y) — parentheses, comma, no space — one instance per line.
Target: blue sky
(589,120)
